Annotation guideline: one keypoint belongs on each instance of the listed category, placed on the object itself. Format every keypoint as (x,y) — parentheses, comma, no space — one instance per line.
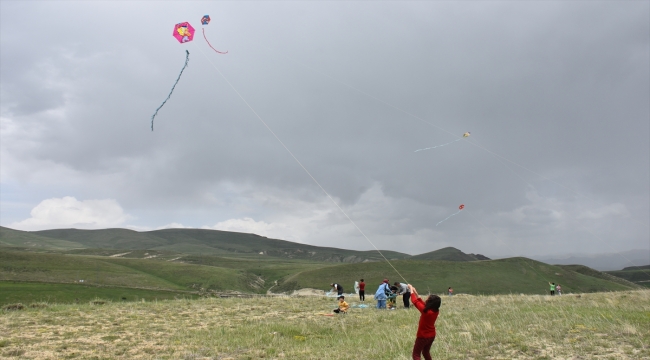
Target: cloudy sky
(555,95)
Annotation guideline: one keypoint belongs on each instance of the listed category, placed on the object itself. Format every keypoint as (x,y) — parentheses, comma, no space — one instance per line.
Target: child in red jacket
(427,327)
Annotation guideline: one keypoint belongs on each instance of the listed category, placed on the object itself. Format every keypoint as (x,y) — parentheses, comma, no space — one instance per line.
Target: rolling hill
(449,254)
(503,276)
(639,275)
(190,261)
(185,241)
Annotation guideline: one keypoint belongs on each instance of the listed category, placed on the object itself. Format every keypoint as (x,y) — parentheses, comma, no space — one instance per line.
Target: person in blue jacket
(381,294)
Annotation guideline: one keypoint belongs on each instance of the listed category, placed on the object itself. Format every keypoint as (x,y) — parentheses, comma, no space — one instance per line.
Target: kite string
(187,58)
(456,213)
(476,144)
(436,126)
(301,165)
(206,40)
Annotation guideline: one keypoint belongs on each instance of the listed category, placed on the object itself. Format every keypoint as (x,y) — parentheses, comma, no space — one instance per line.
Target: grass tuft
(12,307)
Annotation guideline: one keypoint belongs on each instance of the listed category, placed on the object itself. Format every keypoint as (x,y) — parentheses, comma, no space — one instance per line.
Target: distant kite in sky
(460,208)
(183,32)
(205,20)
(451,142)
(187,58)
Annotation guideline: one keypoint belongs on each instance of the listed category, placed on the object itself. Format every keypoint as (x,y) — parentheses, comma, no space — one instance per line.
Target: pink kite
(183,32)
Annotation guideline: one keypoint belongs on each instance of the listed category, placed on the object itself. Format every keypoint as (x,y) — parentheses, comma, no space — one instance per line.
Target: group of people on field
(386,296)
(429,309)
(555,289)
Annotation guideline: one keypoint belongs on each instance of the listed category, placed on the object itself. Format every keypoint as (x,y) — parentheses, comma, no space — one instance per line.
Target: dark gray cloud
(559,91)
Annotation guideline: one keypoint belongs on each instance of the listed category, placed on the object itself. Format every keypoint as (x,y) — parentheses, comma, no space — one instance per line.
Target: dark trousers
(422,346)
(406,297)
(362,295)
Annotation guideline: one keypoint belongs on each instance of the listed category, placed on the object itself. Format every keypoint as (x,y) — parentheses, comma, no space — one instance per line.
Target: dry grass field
(613,325)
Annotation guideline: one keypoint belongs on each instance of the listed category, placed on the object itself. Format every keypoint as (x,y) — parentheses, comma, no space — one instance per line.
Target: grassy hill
(133,273)
(178,274)
(12,292)
(181,261)
(24,239)
(186,241)
(598,274)
(448,254)
(639,275)
(513,275)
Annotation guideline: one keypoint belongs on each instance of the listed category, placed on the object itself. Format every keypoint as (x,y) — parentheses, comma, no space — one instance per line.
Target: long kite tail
(456,213)
(437,146)
(206,40)
(187,58)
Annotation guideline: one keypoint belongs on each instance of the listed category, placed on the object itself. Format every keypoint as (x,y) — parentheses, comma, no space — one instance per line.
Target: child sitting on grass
(343,306)
(427,326)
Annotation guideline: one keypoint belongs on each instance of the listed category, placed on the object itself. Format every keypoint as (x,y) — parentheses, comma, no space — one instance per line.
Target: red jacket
(427,325)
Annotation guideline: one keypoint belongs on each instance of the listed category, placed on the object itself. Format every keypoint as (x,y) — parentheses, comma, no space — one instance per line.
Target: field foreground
(612,325)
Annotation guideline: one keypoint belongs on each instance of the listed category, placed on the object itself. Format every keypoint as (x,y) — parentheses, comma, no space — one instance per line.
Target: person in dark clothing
(338,288)
(362,290)
(406,293)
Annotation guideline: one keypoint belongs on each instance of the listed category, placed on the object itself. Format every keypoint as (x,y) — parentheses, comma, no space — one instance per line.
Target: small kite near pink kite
(205,20)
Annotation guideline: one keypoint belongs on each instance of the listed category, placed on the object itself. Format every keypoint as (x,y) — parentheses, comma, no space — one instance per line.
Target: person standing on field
(426,334)
(362,290)
(552,288)
(558,289)
(382,294)
(405,292)
(450,291)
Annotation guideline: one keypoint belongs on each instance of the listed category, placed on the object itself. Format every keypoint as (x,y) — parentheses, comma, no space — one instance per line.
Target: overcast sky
(555,95)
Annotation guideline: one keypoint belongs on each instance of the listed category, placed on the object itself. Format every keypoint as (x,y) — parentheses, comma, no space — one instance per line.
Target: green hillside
(513,275)
(132,273)
(27,240)
(187,241)
(12,292)
(585,270)
(639,275)
(448,254)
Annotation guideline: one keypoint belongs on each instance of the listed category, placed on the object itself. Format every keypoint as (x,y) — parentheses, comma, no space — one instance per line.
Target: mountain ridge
(210,242)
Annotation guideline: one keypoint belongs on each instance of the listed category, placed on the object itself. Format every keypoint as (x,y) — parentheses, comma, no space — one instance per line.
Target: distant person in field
(558,289)
(343,306)
(338,288)
(552,288)
(382,294)
(450,291)
(405,292)
(362,290)
(426,334)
